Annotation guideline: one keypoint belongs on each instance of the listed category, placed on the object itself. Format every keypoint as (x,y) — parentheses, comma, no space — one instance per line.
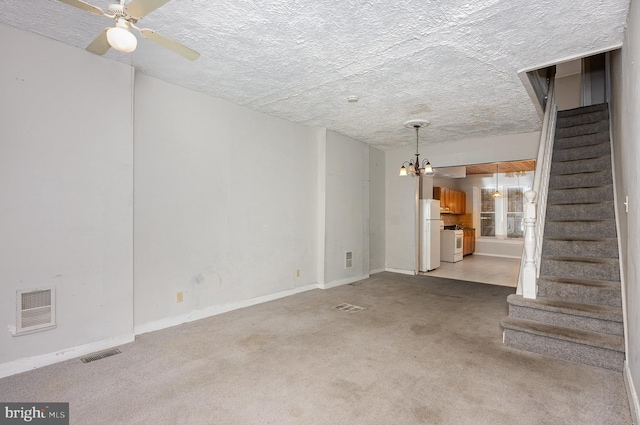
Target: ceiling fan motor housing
(117,10)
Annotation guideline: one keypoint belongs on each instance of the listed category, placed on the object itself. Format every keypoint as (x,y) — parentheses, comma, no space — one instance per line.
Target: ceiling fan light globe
(122,40)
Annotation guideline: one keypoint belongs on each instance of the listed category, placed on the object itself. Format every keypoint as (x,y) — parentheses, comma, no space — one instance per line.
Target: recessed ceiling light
(352,99)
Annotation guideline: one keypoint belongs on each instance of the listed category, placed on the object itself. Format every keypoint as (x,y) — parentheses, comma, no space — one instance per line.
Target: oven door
(459,242)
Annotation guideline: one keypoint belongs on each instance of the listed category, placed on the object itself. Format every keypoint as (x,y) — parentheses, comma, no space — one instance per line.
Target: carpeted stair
(577,315)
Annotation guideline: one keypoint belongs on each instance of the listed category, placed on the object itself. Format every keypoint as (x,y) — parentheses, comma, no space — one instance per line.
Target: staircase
(577,315)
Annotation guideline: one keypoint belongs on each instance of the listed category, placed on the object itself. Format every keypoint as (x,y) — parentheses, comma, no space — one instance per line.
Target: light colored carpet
(424,350)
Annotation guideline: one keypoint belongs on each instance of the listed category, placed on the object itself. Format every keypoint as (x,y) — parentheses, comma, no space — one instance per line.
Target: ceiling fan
(126,16)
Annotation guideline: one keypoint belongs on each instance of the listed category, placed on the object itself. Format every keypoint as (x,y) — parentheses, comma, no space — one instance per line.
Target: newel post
(529,286)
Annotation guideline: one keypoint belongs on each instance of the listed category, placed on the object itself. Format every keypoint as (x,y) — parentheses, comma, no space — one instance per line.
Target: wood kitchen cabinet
(458,201)
(469,241)
(453,200)
(437,194)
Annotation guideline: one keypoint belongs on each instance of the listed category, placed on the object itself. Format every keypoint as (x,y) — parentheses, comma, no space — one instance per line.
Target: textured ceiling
(452,62)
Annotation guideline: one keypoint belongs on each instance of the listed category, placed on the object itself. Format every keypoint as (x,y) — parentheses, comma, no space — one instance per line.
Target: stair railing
(535,206)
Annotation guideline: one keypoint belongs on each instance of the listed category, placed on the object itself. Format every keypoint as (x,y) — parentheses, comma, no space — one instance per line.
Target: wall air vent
(348,260)
(36,310)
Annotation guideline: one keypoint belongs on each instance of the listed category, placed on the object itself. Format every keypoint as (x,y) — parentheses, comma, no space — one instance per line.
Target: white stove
(451,245)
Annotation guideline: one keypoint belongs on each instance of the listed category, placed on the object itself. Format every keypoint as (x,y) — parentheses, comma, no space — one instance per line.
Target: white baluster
(529,286)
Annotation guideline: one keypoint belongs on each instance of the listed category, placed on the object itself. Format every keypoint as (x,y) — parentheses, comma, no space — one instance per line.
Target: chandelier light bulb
(428,169)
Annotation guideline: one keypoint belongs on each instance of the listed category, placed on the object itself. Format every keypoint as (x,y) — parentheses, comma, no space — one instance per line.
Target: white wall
(225,204)
(568,84)
(231,206)
(400,195)
(66,196)
(426,187)
(509,147)
(376,210)
(625,108)
(346,209)
(509,248)
(569,91)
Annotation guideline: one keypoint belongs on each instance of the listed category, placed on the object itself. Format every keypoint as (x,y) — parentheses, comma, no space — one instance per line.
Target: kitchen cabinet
(457,200)
(453,200)
(450,200)
(468,241)
(438,193)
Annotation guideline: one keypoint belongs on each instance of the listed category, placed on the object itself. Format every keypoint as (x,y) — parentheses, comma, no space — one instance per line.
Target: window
(501,217)
(487,213)
(515,212)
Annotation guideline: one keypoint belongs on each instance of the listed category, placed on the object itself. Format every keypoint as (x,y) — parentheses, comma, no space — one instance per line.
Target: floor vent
(348,307)
(99,356)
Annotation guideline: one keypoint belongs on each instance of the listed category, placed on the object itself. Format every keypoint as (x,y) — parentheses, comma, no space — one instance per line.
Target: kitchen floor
(481,268)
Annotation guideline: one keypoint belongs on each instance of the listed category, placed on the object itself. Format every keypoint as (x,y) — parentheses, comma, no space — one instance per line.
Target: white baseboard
(634,405)
(401,271)
(496,255)
(217,309)
(376,271)
(342,282)
(29,363)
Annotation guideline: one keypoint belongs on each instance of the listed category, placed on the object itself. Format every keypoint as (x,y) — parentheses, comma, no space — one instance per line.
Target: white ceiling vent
(36,310)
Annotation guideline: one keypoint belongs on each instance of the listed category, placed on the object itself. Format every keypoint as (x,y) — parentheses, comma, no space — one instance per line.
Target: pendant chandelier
(415,168)
(497,194)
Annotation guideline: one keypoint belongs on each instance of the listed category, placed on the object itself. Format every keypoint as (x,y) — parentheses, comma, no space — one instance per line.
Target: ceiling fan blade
(170,44)
(100,45)
(140,8)
(84,6)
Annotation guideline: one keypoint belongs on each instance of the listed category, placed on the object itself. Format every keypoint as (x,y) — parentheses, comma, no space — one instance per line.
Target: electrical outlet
(297,272)
(179,297)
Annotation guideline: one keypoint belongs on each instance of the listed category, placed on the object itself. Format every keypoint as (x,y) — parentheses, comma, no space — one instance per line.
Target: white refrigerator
(429,232)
